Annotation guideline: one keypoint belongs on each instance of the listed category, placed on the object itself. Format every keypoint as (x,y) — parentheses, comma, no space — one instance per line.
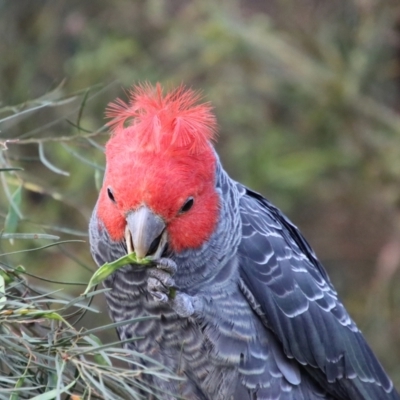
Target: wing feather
(301,307)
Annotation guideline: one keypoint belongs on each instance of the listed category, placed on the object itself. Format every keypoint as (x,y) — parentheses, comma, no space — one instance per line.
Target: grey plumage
(262,320)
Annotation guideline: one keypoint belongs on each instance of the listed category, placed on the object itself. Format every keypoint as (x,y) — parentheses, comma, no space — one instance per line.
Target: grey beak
(143,228)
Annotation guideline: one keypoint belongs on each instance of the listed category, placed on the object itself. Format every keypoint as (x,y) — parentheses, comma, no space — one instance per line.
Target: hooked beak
(145,233)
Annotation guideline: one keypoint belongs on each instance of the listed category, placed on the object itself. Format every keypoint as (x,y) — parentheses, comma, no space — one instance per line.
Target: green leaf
(98,179)
(19,269)
(108,268)
(18,386)
(31,236)
(95,339)
(6,278)
(3,298)
(48,164)
(12,218)
(9,275)
(52,394)
(81,158)
(42,247)
(172,293)
(11,169)
(48,314)
(101,357)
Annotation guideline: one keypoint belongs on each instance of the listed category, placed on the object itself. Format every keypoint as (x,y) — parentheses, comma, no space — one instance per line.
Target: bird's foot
(161,285)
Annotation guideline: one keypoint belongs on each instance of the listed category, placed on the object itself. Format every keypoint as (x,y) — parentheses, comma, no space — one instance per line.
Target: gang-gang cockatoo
(244,309)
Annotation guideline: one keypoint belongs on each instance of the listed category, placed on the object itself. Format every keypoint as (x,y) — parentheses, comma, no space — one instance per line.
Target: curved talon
(155,285)
(161,276)
(161,297)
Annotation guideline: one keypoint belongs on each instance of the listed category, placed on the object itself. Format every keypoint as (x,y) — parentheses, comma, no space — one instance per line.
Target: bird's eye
(187,206)
(111,195)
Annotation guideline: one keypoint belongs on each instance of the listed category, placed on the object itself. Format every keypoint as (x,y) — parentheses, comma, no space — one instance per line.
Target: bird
(241,307)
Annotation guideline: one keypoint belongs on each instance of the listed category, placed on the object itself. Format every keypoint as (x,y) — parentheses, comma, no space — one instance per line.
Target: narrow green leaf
(60,365)
(53,393)
(51,380)
(48,164)
(3,298)
(108,268)
(98,179)
(48,314)
(12,218)
(101,357)
(62,229)
(95,339)
(172,293)
(42,247)
(116,325)
(18,385)
(31,236)
(81,158)
(81,108)
(6,277)
(11,169)
(21,113)
(9,195)
(19,269)
(95,145)
(76,126)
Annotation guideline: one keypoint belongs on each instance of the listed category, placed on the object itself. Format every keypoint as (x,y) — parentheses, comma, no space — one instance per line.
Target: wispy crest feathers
(156,121)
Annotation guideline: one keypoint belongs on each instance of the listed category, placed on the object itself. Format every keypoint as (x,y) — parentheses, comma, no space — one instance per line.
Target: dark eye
(187,206)
(110,195)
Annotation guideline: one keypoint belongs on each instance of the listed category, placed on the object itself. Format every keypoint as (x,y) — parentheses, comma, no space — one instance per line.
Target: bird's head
(159,183)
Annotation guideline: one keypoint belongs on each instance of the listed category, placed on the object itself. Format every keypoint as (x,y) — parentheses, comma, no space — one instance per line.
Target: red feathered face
(178,189)
(164,162)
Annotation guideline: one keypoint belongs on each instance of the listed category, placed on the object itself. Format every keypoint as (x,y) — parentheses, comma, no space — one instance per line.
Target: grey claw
(162,278)
(156,285)
(161,297)
(160,281)
(167,265)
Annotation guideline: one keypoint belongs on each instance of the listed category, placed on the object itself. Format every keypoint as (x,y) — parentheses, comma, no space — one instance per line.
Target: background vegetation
(307,99)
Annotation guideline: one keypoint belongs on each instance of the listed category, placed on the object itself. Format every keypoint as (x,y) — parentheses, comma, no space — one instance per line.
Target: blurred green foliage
(306,94)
